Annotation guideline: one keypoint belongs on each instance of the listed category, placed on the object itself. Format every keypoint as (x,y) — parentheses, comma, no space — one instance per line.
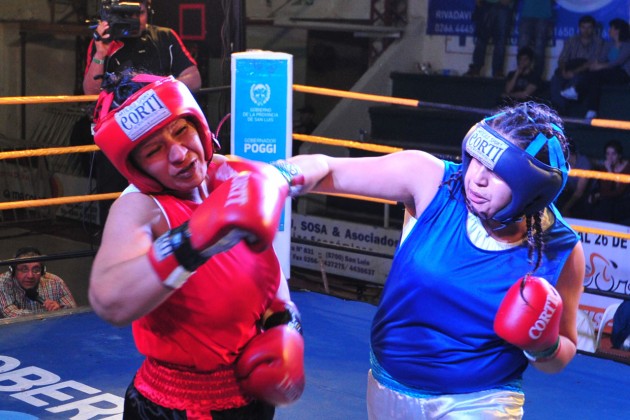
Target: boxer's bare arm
(408,177)
(570,286)
(123,285)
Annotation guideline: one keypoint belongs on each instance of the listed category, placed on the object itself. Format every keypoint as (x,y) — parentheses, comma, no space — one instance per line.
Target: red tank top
(205,323)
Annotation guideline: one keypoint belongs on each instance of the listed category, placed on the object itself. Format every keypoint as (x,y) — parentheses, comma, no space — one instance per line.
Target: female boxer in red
(186,257)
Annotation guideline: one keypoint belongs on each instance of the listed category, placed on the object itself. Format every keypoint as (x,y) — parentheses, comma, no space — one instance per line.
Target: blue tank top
(433,329)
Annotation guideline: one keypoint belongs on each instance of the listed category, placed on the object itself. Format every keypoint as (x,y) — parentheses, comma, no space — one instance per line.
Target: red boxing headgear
(145,112)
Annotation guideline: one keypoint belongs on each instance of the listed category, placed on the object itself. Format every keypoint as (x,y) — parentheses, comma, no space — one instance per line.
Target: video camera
(122,17)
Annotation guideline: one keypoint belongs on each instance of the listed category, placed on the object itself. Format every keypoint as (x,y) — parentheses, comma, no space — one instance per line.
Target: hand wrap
(292,174)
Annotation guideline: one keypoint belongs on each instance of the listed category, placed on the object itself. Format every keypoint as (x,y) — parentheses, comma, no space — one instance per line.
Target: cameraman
(146,48)
(152,49)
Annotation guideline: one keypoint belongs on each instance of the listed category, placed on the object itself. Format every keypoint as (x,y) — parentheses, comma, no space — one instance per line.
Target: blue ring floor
(83,362)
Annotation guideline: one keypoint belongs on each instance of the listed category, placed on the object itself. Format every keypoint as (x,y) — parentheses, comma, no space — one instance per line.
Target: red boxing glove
(247,206)
(250,204)
(529,317)
(271,366)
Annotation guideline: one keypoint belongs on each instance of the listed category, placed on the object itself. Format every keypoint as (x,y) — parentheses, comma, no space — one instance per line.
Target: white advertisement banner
(607,270)
(606,257)
(345,234)
(343,248)
(350,264)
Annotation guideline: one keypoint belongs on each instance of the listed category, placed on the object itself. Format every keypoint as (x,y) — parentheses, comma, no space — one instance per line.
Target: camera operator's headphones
(27,251)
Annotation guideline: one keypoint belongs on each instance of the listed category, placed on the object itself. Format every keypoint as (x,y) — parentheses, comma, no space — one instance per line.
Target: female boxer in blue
(488,275)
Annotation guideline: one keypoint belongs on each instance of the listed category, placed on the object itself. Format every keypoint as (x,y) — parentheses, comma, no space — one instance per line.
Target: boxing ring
(85,375)
(74,365)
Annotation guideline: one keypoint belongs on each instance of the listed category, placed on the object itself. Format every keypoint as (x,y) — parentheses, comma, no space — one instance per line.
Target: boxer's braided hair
(121,84)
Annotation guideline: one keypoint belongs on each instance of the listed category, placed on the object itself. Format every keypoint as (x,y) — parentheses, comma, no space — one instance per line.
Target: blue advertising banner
(454,17)
(262,83)
(450,17)
(260,108)
(262,121)
(569,12)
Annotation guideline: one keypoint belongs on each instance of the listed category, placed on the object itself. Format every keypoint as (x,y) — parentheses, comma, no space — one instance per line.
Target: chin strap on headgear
(120,129)
(534,184)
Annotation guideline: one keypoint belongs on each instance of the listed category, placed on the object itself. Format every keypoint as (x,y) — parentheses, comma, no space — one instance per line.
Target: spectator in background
(613,68)
(535,28)
(573,202)
(578,52)
(493,20)
(610,200)
(523,82)
(27,289)
(155,50)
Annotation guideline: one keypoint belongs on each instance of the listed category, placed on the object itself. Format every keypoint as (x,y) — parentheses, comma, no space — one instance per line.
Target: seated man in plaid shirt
(27,288)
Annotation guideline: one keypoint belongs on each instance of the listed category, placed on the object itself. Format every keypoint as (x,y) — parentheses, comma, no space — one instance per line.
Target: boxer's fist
(271,366)
(247,206)
(529,315)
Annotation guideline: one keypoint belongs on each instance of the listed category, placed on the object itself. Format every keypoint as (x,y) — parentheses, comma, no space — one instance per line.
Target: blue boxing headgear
(534,184)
